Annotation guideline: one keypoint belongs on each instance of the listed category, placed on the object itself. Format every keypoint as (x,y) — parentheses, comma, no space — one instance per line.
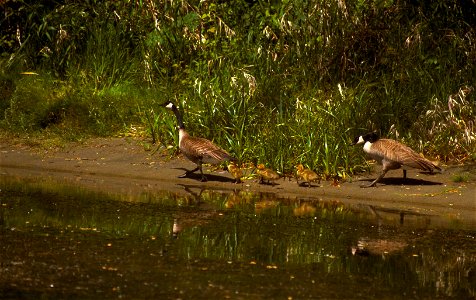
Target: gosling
(235,171)
(306,175)
(266,174)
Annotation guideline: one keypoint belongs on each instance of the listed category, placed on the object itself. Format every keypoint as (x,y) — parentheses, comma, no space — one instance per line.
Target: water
(62,241)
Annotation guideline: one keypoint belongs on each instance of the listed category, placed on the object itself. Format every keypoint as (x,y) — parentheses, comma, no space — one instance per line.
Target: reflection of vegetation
(284,81)
(448,266)
(63,207)
(211,228)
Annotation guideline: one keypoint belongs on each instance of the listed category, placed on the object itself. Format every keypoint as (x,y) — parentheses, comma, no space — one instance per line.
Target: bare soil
(123,165)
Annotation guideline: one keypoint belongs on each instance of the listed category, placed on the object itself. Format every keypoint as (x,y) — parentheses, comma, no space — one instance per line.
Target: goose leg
(384,171)
(203,179)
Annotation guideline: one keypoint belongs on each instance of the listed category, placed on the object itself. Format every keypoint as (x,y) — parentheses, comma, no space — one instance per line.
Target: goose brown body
(196,149)
(200,150)
(392,155)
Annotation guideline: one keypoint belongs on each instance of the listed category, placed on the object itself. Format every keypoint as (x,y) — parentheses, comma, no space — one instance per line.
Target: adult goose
(392,155)
(196,149)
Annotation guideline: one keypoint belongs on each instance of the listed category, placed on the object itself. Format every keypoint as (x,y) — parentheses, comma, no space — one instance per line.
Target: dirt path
(122,165)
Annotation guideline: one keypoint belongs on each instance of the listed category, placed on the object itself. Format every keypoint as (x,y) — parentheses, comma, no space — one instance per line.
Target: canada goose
(266,174)
(392,155)
(197,150)
(306,175)
(235,171)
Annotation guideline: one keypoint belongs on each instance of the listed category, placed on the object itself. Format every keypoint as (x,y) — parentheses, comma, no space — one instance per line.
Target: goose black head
(369,137)
(171,106)
(168,104)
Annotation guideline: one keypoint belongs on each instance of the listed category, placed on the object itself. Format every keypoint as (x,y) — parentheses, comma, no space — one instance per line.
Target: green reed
(275,83)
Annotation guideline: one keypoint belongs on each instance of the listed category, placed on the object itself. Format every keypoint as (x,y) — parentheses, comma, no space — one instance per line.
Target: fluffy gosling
(235,171)
(266,174)
(306,175)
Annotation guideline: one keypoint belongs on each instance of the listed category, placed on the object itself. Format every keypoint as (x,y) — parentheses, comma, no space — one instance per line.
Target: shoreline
(121,165)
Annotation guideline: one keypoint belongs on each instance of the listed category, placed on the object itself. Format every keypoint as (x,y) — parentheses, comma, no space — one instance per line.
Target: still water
(62,241)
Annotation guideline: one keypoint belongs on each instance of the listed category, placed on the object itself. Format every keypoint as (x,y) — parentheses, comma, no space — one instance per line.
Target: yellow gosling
(306,175)
(235,171)
(266,174)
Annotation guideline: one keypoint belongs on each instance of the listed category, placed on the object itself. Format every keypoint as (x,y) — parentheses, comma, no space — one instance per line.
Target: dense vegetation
(279,82)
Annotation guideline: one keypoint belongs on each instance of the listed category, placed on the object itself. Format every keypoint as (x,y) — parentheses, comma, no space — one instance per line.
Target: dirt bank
(123,165)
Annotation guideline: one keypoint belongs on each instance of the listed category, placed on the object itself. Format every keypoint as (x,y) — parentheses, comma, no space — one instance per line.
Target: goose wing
(202,149)
(395,151)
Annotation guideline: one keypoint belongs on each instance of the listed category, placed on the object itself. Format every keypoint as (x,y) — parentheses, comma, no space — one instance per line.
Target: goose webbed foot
(373,184)
(184,175)
(187,173)
(203,179)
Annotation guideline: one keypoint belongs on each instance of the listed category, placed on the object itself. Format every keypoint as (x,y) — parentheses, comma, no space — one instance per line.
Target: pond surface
(58,240)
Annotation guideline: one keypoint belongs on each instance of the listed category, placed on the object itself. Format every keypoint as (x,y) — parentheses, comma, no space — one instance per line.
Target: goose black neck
(179,117)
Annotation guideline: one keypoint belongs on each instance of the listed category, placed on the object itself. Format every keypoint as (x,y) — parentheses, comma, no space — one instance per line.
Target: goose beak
(357,140)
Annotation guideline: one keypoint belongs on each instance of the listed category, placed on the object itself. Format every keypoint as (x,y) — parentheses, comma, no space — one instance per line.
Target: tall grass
(278,83)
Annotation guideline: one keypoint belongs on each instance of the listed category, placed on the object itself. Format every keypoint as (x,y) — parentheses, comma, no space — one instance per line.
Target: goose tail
(222,155)
(426,165)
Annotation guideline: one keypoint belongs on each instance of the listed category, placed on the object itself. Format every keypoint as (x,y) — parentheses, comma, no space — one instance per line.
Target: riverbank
(123,165)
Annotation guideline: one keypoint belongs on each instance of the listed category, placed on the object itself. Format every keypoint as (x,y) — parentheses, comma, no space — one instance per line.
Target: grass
(301,91)
(314,129)
(460,178)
